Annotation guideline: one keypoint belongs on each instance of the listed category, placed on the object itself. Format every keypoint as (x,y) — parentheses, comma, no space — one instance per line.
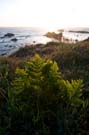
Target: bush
(42,102)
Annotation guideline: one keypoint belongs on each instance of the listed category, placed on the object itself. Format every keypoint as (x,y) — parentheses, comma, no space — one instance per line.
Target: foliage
(41,98)
(42,102)
(3,95)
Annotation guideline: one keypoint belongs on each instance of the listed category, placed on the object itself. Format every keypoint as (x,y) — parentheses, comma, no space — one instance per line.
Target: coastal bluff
(59,37)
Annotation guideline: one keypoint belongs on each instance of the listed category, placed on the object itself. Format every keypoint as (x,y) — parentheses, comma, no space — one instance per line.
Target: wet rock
(6,45)
(14,39)
(3,54)
(10,46)
(86,39)
(76,40)
(34,41)
(9,35)
(2,37)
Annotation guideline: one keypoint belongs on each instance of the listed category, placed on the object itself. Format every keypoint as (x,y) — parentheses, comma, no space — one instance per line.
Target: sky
(44,13)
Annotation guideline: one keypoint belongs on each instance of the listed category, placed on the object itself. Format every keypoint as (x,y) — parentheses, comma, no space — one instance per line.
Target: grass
(73,59)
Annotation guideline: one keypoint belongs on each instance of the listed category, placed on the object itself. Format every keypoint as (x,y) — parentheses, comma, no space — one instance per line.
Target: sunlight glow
(45,13)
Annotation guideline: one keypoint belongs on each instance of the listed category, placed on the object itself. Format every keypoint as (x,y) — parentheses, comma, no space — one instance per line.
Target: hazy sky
(44,13)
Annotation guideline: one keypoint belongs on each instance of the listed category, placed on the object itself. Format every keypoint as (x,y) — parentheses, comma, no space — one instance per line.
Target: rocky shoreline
(11,41)
(60,37)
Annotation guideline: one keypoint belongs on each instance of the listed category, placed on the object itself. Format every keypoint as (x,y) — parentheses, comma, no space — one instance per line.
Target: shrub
(42,102)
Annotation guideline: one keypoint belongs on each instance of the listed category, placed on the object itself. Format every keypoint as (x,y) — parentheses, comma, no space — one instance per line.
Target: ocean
(24,36)
(28,36)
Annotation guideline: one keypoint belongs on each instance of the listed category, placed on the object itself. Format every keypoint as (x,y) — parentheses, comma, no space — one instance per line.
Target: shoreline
(59,37)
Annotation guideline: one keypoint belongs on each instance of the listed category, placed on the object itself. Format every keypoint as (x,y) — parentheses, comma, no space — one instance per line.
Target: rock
(2,37)
(3,54)
(14,39)
(9,35)
(76,40)
(54,35)
(10,46)
(6,45)
(34,41)
(86,39)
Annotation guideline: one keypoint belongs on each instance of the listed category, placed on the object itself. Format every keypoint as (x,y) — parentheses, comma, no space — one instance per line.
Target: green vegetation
(45,94)
(73,59)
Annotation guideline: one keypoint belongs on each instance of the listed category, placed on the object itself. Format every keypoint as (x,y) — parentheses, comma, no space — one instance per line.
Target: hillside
(41,96)
(73,59)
